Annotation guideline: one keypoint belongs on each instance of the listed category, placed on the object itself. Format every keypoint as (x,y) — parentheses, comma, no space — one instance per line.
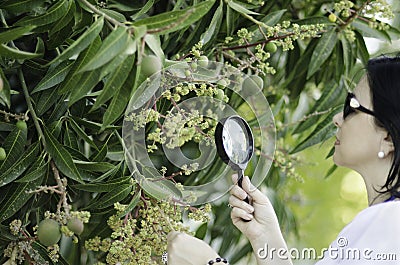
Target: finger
(235,202)
(238,192)
(256,195)
(235,178)
(238,213)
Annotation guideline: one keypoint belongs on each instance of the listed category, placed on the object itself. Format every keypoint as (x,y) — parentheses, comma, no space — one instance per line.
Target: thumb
(172,235)
(256,195)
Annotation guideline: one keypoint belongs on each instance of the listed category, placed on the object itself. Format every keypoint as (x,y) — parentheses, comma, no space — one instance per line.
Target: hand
(260,215)
(185,250)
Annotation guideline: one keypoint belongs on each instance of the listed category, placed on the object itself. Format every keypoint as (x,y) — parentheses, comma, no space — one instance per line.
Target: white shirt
(373,237)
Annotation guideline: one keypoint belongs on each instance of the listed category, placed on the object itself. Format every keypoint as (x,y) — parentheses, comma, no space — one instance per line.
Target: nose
(338,119)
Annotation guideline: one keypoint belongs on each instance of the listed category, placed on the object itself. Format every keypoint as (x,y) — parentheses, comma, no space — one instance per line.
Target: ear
(387,145)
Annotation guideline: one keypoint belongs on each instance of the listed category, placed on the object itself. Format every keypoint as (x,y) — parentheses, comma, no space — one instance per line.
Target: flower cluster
(17,251)
(283,35)
(370,12)
(179,126)
(344,8)
(140,237)
(381,9)
(286,164)
(200,214)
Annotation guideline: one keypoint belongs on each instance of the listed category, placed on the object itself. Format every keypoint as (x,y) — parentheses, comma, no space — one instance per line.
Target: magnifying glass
(235,146)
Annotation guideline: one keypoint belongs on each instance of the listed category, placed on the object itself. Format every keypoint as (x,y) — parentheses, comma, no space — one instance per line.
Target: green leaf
(37,170)
(347,54)
(107,186)
(110,67)
(230,20)
(367,31)
(330,95)
(85,84)
(46,100)
(64,21)
(115,81)
(175,20)
(331,170)
(114,14)
(14,33)
(61,157)
(54,76)
(13,172)
(71,81)
(14,144)
(118,103)
(153,184)
(240,8)
(70,139)
(201,231)
(5,93)
(57,11)
(117,194)
(339,62)
(20,6)
(13,53)
(102,153)
(212,30)
(82,42)
(324,130)
(154,43)
(362,51)
(108,174)
(94,125)
(274,17)
(143,10)
(16,196)
(115,43)
(322,51)
(94,166)
(82,133)
(116,107)
(132,204)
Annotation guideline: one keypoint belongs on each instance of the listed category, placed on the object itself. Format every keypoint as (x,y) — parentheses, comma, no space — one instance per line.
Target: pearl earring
(381,154)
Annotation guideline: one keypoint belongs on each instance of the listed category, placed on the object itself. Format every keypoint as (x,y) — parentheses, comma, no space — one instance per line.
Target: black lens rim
(347,109)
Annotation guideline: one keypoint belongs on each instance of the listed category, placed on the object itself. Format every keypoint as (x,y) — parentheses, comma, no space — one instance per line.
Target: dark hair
(384,81)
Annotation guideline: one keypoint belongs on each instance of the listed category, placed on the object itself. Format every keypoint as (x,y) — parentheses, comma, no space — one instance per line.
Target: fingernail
(249,217)
(251,208)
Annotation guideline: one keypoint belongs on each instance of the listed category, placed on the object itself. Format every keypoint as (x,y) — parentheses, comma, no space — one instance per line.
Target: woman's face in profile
(358,140)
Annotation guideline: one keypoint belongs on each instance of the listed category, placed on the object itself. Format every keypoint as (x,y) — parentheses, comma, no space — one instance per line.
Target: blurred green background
(324,205)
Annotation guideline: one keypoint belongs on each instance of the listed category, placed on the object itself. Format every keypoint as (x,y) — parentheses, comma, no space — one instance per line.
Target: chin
(337,159)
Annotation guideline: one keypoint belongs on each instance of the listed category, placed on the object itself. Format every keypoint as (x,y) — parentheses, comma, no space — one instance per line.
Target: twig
(20,116)
(354,15)
(63,190)
(264,41)
(99,12)
(30,107)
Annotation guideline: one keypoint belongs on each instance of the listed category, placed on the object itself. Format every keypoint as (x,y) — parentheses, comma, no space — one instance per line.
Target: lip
(337,142)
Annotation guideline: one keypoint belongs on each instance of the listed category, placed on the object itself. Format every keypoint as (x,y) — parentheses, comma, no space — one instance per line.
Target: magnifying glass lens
(235,141)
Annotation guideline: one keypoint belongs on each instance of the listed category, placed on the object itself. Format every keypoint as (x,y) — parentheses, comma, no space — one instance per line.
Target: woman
(368,141)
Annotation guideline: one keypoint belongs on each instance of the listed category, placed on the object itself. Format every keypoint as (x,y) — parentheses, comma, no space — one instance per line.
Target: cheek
(356,148)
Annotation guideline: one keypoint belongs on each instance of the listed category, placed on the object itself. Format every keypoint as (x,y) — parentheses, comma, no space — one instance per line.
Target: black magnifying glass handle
(240,181)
